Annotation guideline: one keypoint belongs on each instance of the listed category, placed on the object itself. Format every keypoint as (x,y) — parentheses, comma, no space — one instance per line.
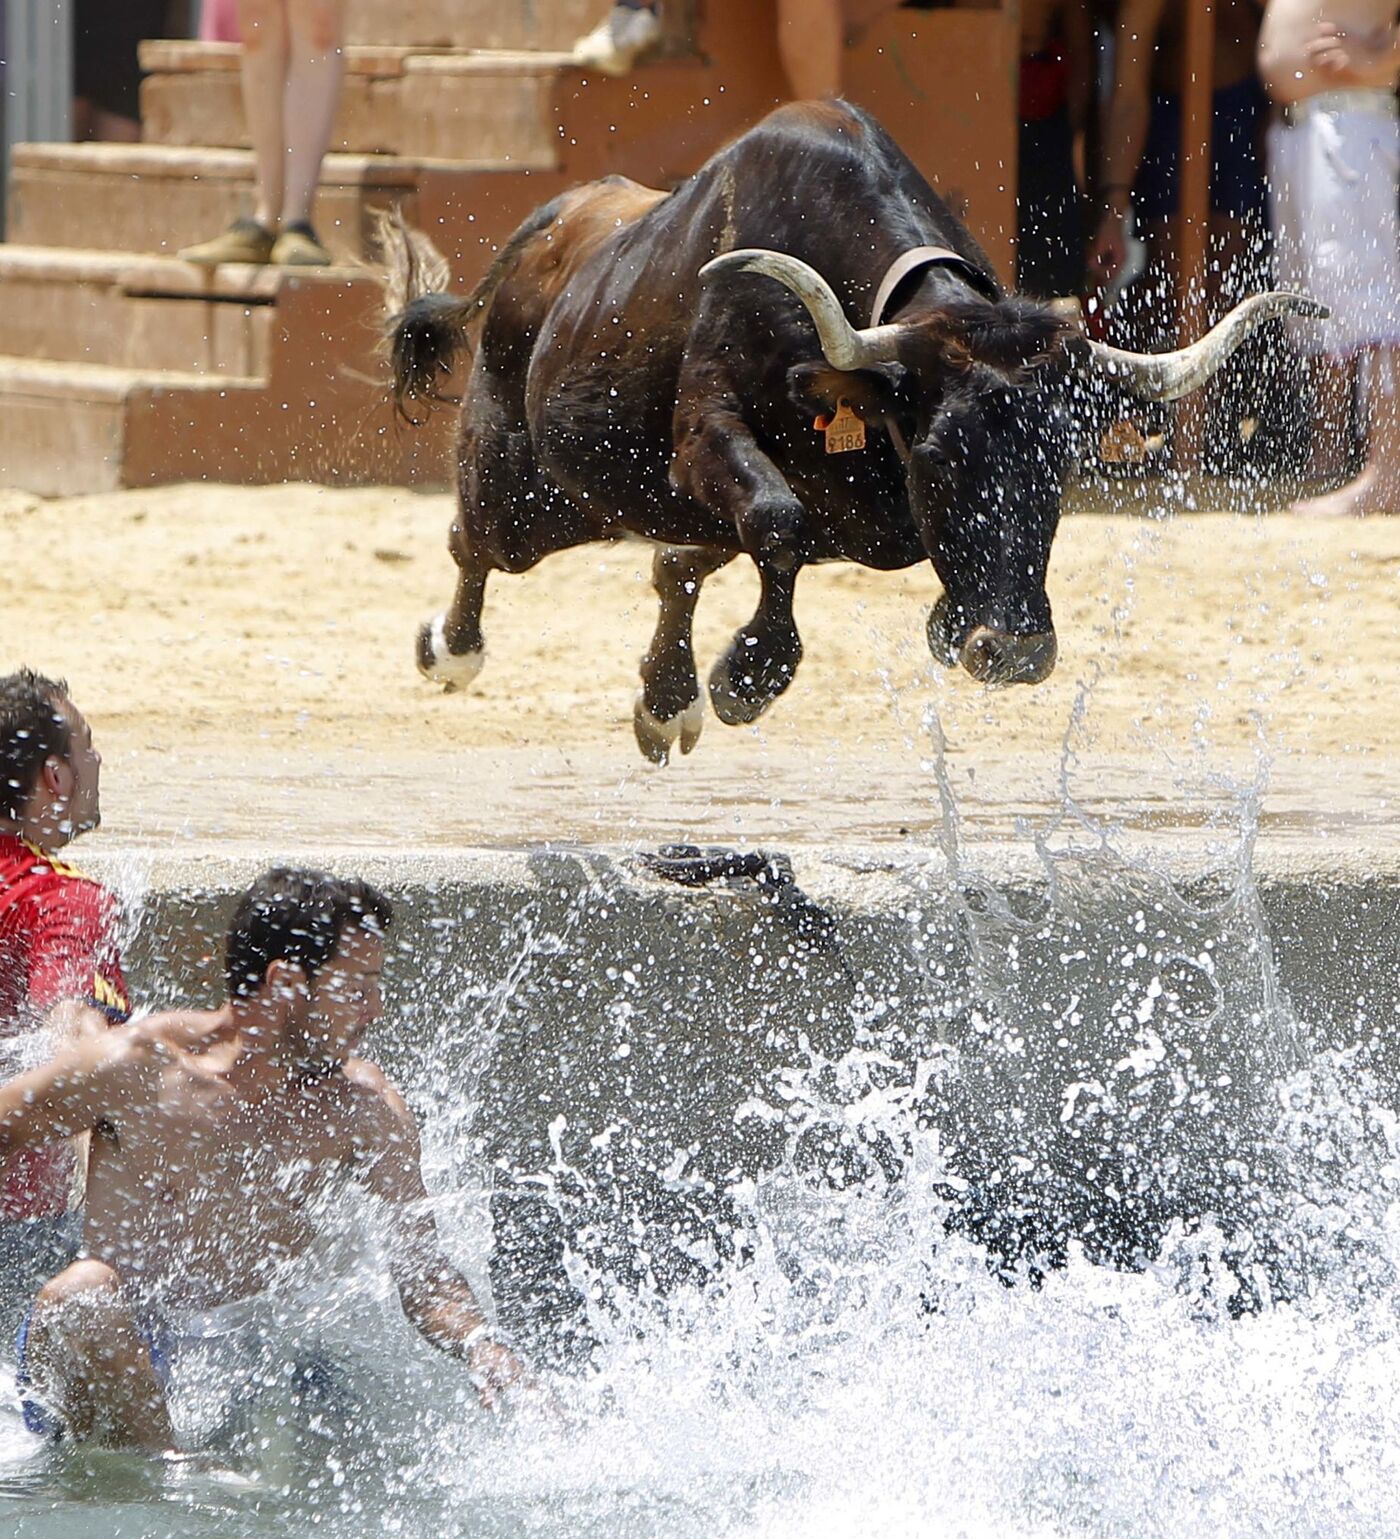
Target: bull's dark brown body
(624,369)
(614,391)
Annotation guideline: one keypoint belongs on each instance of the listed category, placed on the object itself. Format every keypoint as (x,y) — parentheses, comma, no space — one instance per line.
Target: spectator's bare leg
(313,90)
(263,26)
(1377,488)
(1333,380)
(811,34)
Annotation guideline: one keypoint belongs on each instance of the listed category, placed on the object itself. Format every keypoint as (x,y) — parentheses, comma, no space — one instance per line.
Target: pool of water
(1055,1196)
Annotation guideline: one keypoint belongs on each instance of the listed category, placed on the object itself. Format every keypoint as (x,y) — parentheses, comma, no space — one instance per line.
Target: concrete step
(319,413)
(63,426)
(479,108)
(158,198)
(139,312)
(537,24)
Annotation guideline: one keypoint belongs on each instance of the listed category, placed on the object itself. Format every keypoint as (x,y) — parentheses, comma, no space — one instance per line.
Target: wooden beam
(1193,210)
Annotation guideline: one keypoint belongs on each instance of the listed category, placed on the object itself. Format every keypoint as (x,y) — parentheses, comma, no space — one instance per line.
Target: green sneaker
(245,240)
(298,246)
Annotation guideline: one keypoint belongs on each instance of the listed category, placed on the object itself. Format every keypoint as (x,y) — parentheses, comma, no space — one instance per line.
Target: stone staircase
(122,366)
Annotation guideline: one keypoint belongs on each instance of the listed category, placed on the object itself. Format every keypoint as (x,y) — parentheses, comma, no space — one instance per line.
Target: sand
(245,657)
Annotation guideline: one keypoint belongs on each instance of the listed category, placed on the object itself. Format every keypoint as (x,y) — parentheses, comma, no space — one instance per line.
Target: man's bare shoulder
(169,1055)
(380,1113)
(371,1082)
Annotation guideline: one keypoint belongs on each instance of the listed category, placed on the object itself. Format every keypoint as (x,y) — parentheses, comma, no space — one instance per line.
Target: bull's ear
(1006,335)
(819,389)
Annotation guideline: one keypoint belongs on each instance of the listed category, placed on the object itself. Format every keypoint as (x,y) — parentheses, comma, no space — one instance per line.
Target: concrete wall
(1102,1047)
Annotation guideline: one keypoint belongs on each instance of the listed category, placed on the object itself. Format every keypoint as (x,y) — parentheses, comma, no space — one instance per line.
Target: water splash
(1041,1211)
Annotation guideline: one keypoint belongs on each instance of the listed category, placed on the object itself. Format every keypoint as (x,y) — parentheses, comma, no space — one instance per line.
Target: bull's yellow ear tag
(845,432)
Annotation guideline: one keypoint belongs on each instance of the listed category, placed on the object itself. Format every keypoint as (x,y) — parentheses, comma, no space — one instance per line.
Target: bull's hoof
(657,736)
(747,680)
(435,662)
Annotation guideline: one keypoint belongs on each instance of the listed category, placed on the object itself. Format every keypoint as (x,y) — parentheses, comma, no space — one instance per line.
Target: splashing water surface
(1034,1209)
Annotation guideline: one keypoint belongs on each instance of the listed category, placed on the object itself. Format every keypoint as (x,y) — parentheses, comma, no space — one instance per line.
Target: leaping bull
(651,364)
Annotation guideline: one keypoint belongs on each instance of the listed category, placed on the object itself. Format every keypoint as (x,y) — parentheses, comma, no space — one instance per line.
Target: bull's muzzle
(994,657)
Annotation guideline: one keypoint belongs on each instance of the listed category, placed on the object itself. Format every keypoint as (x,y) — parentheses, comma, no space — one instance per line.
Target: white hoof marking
(691,720)
(457,672)
(684,728)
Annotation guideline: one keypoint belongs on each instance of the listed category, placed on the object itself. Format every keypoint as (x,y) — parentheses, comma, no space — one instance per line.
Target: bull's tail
(426,328)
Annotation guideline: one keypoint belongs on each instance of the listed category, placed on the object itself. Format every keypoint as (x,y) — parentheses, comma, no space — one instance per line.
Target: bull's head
(977,395)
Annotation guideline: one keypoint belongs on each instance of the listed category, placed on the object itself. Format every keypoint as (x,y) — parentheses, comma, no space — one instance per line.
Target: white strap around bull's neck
(902,266)
(925,256)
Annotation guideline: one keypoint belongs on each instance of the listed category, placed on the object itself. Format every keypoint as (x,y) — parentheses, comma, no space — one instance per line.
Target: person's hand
(157,1040)
(494,1370)
(1109,248)
(1353,59)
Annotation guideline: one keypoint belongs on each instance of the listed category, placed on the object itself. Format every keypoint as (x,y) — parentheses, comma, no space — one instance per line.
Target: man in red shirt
(60,971)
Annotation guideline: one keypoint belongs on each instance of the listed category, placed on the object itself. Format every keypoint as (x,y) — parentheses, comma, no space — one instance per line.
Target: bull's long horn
(1168,376)
(843,346)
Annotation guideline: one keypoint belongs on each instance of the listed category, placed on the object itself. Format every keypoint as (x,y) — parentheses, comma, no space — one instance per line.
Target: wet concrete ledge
(847,872)
(1330,907)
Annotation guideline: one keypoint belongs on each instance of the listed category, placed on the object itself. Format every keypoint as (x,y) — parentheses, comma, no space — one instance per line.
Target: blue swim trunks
(224,1349)
(1238,114)
(39,1418)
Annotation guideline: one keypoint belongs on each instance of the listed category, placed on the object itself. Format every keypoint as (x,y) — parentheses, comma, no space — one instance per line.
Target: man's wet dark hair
(32,727)
(299,917)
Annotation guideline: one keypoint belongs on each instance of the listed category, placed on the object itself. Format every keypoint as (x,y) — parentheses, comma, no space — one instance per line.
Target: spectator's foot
(618,42)
(245,240)
(1375,490)
(298,246)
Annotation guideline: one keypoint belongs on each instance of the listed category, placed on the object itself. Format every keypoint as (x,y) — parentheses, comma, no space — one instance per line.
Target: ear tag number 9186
(845,432)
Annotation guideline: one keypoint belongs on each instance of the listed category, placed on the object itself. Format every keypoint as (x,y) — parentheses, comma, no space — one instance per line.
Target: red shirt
(1044,82)
(58,933)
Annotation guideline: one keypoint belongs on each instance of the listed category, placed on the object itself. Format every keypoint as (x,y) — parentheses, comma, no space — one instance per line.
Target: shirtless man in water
(212,1134)
(1331,67)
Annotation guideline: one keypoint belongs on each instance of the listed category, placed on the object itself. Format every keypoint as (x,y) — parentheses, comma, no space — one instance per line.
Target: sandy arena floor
(245,656)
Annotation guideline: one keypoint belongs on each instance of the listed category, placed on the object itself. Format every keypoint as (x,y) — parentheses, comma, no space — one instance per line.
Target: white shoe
(619,40)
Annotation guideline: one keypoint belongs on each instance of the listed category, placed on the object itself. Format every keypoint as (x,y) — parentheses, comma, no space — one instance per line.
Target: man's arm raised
(97,1075)
(437,1299)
